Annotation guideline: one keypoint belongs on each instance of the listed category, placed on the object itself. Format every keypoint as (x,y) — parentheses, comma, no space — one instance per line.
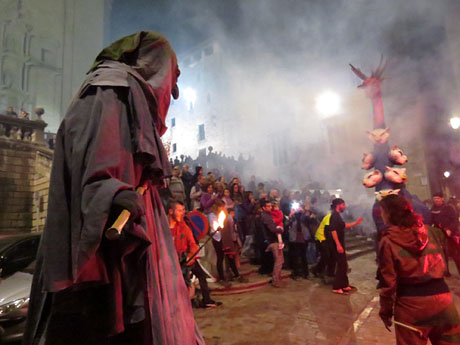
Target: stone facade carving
(45,53)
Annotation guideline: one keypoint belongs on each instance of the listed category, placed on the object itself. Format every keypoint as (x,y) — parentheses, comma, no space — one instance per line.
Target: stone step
(355,253)
(360,244)
(255,282)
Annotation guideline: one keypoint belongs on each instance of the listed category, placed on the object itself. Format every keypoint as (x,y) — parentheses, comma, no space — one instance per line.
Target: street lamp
(455,122)
(328,103)
(446,174)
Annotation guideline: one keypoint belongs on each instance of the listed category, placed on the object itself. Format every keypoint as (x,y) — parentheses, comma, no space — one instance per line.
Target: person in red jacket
(413,289)
(277,214)
(187,248)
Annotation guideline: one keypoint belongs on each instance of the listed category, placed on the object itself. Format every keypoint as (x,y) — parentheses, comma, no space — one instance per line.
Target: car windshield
(7,241)
(31,268)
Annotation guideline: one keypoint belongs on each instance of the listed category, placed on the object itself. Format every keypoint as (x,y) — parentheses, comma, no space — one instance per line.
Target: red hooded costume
(87,289)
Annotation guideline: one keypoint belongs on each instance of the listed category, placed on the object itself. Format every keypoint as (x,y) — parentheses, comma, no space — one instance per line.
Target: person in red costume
(88,289)
(411,279)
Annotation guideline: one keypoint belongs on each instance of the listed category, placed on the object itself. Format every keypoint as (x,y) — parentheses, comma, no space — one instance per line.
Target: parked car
(17,252)
(14,303)
(17,263)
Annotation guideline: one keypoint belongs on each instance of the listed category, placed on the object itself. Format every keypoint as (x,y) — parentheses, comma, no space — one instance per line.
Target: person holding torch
(221,224)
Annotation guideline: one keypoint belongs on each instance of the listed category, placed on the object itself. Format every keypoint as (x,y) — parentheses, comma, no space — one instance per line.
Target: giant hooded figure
(88,289)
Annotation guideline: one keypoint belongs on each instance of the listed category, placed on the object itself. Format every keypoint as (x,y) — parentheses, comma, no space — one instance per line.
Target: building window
(201,134)
(173,122)
(174,148)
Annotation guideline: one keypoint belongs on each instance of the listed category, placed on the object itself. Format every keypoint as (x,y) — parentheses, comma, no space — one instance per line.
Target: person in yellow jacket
(323,248)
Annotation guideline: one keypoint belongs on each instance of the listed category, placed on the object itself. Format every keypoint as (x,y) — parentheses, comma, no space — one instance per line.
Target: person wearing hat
(444,217)
(337,230)
(88,289)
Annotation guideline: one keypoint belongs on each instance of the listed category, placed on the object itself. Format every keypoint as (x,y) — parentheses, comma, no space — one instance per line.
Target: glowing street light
(455,122)
(190,97)
(446,174)
(328,103)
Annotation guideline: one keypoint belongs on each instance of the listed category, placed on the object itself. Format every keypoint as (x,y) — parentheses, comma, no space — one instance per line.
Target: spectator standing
(323,245)
(299,235)
(337,229)
(275,243)
(285,202)
(445,217)
(198,173)
(259,190)
(227,199)
(252,184)
(196,192)
(176,186)
(10,112)
(207,199)
(187,179)
(236,194)
(247,211)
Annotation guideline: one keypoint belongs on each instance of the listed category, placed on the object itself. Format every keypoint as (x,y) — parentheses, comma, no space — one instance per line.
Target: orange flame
(220,221)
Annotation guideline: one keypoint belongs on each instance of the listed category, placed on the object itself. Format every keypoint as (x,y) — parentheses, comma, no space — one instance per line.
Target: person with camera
(299,235)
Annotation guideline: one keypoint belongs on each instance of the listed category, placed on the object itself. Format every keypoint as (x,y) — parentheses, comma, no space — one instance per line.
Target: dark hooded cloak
(87,289)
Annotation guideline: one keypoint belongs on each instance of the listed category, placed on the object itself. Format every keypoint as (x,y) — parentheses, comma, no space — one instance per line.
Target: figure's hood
(412,239)
(151,55)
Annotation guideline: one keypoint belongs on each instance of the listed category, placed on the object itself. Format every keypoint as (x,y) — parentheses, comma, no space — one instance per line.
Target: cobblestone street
(304,312)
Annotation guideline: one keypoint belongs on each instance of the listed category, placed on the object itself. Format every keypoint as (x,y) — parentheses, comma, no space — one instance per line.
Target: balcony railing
(22,130)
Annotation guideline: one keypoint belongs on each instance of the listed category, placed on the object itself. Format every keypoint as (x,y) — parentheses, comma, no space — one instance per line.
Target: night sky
(185,23)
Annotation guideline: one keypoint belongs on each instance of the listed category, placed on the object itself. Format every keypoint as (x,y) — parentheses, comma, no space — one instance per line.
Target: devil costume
(87,289)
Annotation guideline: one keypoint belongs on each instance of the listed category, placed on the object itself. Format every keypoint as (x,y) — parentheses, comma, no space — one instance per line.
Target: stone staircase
(356,244)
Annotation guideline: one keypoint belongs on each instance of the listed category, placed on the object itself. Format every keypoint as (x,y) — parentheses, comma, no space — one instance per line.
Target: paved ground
(304,312)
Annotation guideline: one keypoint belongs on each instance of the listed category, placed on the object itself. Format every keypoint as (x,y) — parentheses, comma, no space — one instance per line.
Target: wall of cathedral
(46,47)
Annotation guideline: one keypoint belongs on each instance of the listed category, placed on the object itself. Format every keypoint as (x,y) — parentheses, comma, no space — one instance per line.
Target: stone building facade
(46,47)
(25,166)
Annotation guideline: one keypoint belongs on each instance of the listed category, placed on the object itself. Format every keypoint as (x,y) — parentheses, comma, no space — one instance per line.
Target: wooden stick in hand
(115,230)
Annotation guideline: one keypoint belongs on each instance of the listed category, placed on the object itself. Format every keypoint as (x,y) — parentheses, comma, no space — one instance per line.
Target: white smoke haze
(279,55)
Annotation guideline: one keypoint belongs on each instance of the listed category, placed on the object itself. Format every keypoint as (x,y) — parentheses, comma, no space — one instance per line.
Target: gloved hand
(386,320)
(131,201)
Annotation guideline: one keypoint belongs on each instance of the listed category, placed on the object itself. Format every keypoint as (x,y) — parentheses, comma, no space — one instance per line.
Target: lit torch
(216,225)
(220,221)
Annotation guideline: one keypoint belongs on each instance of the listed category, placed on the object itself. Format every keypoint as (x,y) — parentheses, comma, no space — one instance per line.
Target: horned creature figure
(385,178)
(380,134)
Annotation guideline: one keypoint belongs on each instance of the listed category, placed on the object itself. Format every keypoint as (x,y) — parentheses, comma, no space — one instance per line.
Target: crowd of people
(304,225)
(267,226)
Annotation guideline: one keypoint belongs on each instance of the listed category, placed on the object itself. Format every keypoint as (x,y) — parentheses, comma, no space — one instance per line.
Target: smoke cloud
(278,56)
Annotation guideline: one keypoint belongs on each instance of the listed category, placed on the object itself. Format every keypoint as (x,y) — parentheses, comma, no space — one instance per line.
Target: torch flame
(221,219)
